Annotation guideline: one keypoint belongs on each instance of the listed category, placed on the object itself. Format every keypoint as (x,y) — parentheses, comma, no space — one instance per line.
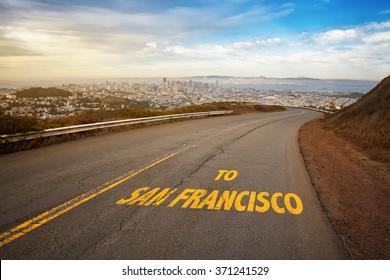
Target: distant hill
(306,84)
(36,92)
(367,122)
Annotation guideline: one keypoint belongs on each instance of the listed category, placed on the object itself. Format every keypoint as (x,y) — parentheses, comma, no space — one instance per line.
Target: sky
(56,39)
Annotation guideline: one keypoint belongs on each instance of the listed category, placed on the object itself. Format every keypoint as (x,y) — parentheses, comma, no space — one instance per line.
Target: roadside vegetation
(11,124)
(367,122)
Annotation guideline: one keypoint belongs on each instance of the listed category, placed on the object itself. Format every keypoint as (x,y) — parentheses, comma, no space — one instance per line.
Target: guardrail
(311,108)
(318,110)
(102,125)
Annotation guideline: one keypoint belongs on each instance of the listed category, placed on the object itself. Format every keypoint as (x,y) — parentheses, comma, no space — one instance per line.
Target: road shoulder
(354,191)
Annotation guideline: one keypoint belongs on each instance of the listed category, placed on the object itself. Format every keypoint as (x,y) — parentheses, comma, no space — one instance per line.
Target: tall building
(165,84)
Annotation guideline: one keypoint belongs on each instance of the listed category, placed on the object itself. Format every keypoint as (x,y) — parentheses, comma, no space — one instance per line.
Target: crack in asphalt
(101,242)
(220,151)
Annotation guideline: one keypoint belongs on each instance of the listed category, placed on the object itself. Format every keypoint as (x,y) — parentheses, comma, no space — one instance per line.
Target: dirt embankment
(354,190)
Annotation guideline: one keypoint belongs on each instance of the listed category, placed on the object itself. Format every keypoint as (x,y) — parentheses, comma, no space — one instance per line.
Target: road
(232,187)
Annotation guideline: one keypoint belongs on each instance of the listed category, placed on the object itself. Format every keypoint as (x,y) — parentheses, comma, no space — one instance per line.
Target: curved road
(231,187)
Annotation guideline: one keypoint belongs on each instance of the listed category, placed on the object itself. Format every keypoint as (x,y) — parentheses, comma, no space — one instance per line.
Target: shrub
(10,124)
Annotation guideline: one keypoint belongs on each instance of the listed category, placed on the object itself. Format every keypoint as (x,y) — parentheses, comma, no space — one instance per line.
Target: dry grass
(11,124)
(367,122)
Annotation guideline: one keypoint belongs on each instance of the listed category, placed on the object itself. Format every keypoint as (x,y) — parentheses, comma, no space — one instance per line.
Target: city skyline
(96,39)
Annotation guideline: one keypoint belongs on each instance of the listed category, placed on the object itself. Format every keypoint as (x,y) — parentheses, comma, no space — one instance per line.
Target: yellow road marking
(30,225)
(231,200)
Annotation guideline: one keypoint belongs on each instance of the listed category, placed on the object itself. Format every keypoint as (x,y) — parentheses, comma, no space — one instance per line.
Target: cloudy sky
(54,39)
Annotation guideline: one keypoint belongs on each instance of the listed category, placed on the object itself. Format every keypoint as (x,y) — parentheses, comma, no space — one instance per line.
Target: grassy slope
(367,122)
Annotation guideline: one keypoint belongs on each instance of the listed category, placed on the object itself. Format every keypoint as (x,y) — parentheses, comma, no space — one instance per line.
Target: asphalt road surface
(232,187)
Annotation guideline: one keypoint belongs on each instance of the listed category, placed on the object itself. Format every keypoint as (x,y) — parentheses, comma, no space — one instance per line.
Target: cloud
(9,48)
(385,12)
(379,37)
(167,21)
(365,33)
(59,29)
(12,43)
(178,50)
(255,43)
(376,26)
(360,51)
(256,14)
(338,36)
(134,38)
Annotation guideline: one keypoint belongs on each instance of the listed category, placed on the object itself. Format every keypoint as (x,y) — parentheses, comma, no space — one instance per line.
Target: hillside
(367,122)
(348,158)
(36,92)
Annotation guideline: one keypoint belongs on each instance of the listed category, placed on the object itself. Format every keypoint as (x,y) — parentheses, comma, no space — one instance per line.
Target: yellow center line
(30,225)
